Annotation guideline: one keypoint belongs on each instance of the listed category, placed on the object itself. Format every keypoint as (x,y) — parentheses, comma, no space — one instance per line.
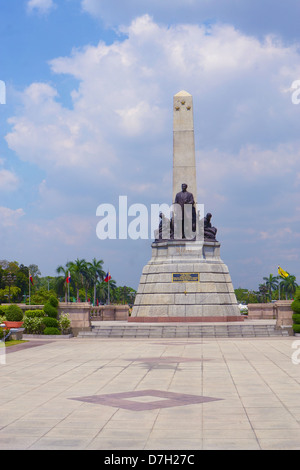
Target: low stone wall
(261,311)
(280,311)
(79,314)
(110,313)
(82,313)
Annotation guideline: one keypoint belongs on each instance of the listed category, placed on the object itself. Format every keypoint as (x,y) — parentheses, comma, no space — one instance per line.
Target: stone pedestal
(185,281)
(284,313)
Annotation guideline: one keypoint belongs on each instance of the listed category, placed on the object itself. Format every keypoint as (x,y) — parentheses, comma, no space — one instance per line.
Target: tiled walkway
(158,394)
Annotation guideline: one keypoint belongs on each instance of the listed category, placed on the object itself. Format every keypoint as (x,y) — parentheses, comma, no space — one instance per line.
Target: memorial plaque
(185,277)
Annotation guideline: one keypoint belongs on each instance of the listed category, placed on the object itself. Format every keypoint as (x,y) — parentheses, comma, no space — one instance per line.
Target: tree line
(273,288)
(87,284)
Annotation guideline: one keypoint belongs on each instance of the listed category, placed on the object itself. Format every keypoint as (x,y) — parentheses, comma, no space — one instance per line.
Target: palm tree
(78,270)
(96,272)
(271,283)
(103,289)
(289,285)
(59,270)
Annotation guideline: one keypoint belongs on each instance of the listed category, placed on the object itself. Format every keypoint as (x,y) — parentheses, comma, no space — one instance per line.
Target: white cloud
(66,230)
(10,217)
(8,180)
(124,101)
(41,6)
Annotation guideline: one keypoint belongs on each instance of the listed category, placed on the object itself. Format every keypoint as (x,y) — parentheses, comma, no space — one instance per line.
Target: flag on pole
(69,278)
(282,273)
(30,278)
(108,277)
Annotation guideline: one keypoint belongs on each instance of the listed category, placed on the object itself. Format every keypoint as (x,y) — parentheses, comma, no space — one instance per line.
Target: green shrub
(50,322)
(51,331)
(14,313)
(33,325)
(64,322)
(295,306)
(34,313)
(50,311)
(296,318)
(296,327)
(297,293)
(53,301)
(3,310)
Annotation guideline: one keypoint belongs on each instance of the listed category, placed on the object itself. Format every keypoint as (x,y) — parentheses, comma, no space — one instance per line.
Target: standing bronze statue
(187,217)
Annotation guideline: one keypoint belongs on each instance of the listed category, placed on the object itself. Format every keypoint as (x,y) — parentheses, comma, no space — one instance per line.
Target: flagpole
(69,287)
(29,286)
(108,290)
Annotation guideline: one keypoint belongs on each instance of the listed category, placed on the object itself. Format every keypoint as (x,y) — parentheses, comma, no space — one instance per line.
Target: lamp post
(9,279)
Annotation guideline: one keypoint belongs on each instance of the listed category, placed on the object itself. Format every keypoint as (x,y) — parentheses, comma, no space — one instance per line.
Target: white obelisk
(184,162)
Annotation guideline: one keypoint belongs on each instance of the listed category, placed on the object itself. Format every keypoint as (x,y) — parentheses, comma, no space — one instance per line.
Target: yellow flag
(282,273)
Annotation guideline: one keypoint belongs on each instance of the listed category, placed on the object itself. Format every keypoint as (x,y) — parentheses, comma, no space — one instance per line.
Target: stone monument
(185,279)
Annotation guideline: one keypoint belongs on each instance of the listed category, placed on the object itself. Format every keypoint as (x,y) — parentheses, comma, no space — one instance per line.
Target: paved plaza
(151,394)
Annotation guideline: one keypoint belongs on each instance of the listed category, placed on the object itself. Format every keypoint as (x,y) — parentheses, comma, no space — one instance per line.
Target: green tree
(102,290)
(41,296)
(62,280)
(78,270)
(263,292)
(288,286)
(97,274)
(272,283)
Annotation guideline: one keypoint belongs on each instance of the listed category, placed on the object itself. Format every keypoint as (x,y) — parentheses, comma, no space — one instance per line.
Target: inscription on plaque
(185,277)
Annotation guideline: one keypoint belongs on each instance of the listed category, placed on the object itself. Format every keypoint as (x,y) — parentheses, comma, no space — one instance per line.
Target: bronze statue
(188,219)
(183,222)
(209,231)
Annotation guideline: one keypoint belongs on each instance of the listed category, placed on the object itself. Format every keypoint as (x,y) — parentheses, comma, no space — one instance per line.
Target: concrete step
(182,331)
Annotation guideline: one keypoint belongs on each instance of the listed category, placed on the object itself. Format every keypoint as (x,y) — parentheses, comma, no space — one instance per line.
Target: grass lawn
(13,342)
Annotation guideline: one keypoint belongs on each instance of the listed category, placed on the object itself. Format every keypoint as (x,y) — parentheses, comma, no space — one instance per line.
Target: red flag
(108,277)
(30,278)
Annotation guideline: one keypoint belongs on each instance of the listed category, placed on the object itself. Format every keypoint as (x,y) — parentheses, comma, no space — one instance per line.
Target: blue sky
(88,117)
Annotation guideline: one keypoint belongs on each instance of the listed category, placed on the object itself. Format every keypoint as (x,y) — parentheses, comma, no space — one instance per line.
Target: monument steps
(183,331)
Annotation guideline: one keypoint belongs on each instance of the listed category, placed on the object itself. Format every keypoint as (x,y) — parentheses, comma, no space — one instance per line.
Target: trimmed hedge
(14,313)
(50,322)
(53,301)
(34,313)
(295,306)
(296,318)
(296,328)
(51,331)
(50,311)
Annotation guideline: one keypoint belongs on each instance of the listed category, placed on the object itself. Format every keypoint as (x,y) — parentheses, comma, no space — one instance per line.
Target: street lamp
(9,279)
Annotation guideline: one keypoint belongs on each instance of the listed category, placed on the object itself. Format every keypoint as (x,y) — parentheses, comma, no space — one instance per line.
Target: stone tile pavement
(151,394)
